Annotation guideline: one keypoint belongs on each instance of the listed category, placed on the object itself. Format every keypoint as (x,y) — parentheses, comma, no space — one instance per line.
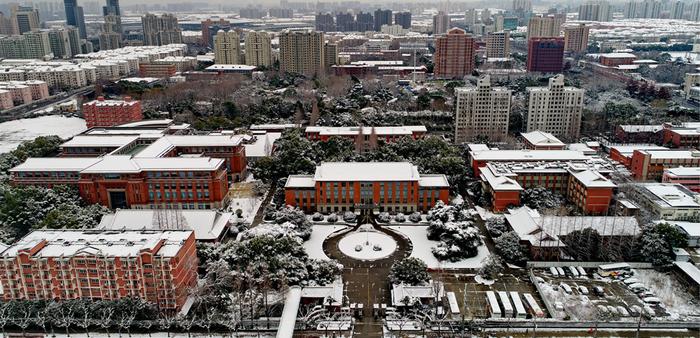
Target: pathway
(367,281)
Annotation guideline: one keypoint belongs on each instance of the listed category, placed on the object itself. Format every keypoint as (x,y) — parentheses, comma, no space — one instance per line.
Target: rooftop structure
(208,225)
(687,176)
(539,140)
(667,201)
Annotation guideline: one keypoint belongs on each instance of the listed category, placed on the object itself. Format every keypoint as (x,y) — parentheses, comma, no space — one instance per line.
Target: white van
(573,272)
(561,271)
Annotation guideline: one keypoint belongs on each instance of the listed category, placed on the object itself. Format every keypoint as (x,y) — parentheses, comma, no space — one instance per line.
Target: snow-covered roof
(111,103)
(591,178)
(166,143)
(528,155)
(399,292)
(222,67)
(106,141)
(300,181)
(126,164)
(582,147)
(366,171)
(69,243)
(691,228)
(690,270)
(66,164)
(333,290)
(670,195)
(629,149)
(683,171)
(635,128)
(397,130)
(208,225)
(434,180)
(618,55)
(673,154)
(499,182)
(541,139)
(262,146)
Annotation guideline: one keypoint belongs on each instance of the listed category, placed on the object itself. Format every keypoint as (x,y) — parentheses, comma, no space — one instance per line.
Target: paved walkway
(366,281)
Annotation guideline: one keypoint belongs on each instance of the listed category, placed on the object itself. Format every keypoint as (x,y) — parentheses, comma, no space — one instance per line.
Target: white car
(583,290)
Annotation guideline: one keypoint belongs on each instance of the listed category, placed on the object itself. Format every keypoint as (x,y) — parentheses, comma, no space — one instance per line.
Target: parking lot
(471,296)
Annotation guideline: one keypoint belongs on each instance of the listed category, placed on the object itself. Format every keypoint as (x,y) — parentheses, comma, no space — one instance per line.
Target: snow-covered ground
(372,245)
(12,133)
(319,233)
(422,246)
(485,214)
(243,197)
(677,302)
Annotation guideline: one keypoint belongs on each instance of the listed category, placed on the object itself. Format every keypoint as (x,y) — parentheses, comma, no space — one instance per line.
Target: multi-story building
(681,135)
(257,49)
(111,37)
(582,183)
(616,59)
(6,101)
(330,54)
(498,44)
(670,202)
(324,22)
(30,45)
(647,9)
(157,70)
(383,186)
(210,28)
(650,164)
(441,23)
(382,17)
(522,6)
(470,17)
(623,153)
(576,38)
(65,42)
(365,138)
(555,109)
(635,133)
(227,48)
(344,22)
(545,26)
(677,10)
(482,112)
(691,80)
(26,19)
(403,19)
(480,156)
(686,176)
(75,17)
(8,26)
(302,52)
(160,30)
(282,13)
(157,266)
(454,54)
(26,91)
(364,22)
(545,55)
(107,113)
(595,11)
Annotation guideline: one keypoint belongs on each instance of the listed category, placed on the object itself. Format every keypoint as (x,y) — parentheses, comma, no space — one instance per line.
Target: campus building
(650,164)
(623,153)
(454,54)
(545,55)
(555,109)
(582,183)
(682,135)
(667,201)
(383,186)
(107,113)
(480,155)
(688,177)
(365,138)
(576,38)
(538,140)
(132,167)
(636,133)
(157,266)
(482,112)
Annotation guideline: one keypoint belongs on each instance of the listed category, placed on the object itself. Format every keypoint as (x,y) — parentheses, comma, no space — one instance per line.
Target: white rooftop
(398,130)
(542,139)
(99,141)
(500,182)
(63,164)
(671,195)
(69,243)
(689,269)
(629,149)
(592,179)
(127,164)
(366,171)
(528,155)
(684,171)
(166,143)
(208,225)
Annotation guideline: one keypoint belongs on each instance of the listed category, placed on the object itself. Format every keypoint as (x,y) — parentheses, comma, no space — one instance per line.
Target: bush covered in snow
(508,246)
(491,268)
(458,240)
(317,217)
(541,198)
(410,271)
(657,243)
(332,218)
(442,212)
(349,217)
(496,226)
(291,216)
(415,217)
(400,218)
(384,217)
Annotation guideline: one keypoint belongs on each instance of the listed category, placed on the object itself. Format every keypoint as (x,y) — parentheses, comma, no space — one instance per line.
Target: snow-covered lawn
(422,246)
(242,196)
(372,245)
(319,233)
(485,214)
(677,302)
(12,133)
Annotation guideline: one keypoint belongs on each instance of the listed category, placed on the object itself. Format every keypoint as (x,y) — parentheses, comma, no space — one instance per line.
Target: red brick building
(454,54)
(539,140)
(650,164)
(157,266)
(365,137)
(685,135)
(623,153)
(616,59)
(479,158)
(688,177)
(587,188)
(545,55)
(158,70)
(107,113)
(383,186)
(628,133)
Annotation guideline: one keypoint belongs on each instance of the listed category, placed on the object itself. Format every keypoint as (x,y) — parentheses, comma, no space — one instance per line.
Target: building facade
(454,54)
(482,112)
(258,51)
(545,26)
(157,266)
(403,19)
(555,109)
(302,52)
(383,186)
(576,38)
(650,164)
(160,30)
(107,113)
(545,55)
(441,23)
(227,48)
(498,44)
(365,138)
